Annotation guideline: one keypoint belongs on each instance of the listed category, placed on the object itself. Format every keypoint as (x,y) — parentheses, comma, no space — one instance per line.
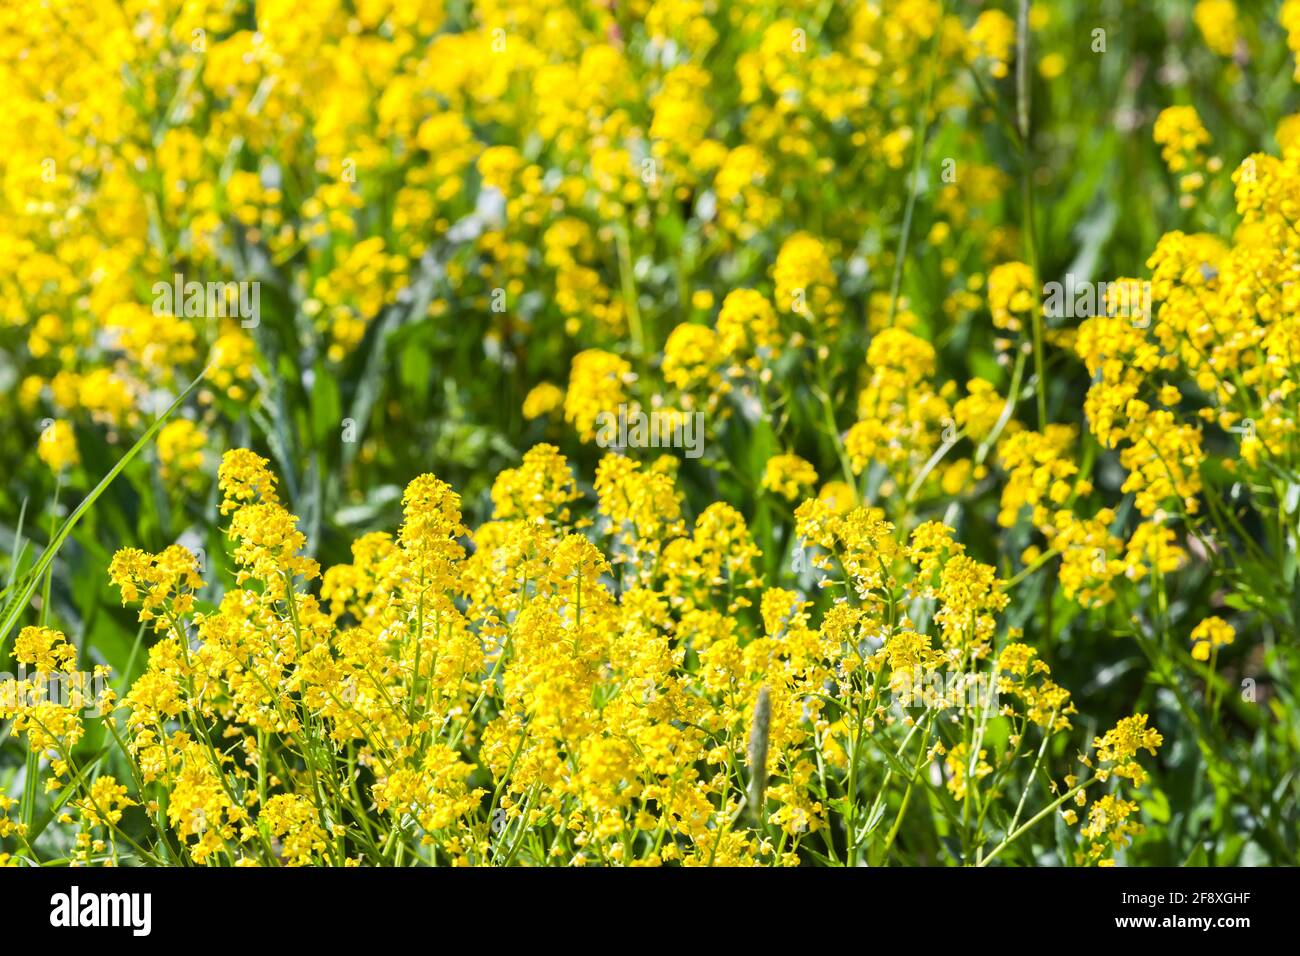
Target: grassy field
(656,432)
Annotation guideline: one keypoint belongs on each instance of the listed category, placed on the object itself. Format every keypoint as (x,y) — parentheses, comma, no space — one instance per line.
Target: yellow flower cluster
(523,693)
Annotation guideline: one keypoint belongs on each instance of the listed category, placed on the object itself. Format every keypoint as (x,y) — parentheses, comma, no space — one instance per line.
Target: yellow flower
(233,355)
(1217,21)
(245,479)
(45,649)
(597,383)
(1120,745)
(690,355)
(541,488)
(293,817)
(789,476)
(980,410)
(961,769)
(163,583)
(1180,134)
(498,166)
(1209,635)
(542,399)
(57,447)
(1012,295)
(180,449)
(1108,817)
(1052,65)
(104,802)
(805,281)
(992,38)
(837,496)
(748,332)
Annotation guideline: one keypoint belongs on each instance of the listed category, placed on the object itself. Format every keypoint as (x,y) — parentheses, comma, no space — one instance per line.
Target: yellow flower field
(649,433)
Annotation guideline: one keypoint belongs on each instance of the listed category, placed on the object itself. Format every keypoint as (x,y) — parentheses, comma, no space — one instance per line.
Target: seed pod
(758,736)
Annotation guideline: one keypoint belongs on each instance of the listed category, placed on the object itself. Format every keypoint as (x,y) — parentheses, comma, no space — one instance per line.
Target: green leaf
(326,406)
(1157,806)
(1198,857)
